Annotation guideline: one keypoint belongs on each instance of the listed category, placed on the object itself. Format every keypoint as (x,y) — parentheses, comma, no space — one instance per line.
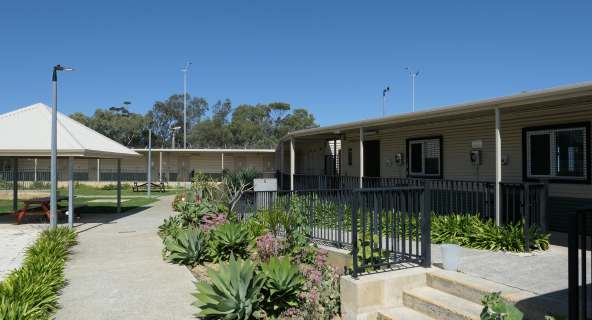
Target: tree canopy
(224,126)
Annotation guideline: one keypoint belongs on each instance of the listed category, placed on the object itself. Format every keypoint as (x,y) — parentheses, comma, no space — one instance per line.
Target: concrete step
(402,314)
(441,305)
(473,288)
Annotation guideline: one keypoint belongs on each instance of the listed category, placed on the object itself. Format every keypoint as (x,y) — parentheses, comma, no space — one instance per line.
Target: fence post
(426,225)
(354,214)
(572,264)
(526,203)
(544,201)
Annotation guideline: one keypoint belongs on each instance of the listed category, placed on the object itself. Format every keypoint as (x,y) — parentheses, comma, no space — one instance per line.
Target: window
(425,157)
(350,154)
(558,153)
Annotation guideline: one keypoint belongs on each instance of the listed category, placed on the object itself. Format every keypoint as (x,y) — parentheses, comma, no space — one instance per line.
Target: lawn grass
(127,192)
(93,207)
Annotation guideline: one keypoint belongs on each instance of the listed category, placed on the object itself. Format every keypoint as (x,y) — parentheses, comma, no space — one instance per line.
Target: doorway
(372,158)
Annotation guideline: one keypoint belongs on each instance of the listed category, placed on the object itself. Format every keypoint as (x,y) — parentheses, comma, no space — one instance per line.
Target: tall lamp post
(384,100)
(53,205)
(413,76)
(185,108)
(173,133)
(149,158)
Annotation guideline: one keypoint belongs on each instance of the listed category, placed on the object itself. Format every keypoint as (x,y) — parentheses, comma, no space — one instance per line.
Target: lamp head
(60,68)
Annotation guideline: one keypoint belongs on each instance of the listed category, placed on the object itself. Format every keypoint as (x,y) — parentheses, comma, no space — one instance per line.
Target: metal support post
(282,164)
(15,183)
(498,167)
(361,157)
(119,186)
(149,160)
(71,192)
(426,225)
(292,162)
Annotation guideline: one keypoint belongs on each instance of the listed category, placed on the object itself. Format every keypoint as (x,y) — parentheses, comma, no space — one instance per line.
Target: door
(372,158)
(268,164)
(92,169)
(240,162)
(183,165)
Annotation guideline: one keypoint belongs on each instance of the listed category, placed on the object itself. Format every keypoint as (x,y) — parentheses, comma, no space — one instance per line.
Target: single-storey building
(523,138)
(168,165)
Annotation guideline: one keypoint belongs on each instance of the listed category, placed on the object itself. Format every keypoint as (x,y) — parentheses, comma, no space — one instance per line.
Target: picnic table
(42,208)
(136,186)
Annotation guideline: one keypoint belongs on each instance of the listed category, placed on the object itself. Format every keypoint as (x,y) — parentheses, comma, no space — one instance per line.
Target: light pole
(384,101)
(173,133)
(185,108)
(149,158)
(53,205)
(413,75)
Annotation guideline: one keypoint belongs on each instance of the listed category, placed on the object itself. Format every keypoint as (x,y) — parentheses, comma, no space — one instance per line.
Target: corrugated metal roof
(27,132)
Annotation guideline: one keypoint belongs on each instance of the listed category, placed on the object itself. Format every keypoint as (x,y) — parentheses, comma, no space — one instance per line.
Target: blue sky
(333,58)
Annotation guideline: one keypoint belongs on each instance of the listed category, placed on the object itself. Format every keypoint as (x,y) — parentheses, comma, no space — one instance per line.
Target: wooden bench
(160,187)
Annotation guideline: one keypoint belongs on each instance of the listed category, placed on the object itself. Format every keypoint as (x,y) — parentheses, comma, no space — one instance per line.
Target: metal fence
(579,299)
(31,178)
(397,216)
(525,202)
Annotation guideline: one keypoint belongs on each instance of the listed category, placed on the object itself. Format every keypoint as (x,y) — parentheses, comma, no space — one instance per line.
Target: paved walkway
(544,273)
(117,272)
(13,241)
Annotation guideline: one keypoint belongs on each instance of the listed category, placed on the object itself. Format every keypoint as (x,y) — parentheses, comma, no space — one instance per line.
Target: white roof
(27,132)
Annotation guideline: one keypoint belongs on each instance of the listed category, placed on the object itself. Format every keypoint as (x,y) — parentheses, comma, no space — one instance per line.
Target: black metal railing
(394,226)
(579,227)
(397,216)
(525,202)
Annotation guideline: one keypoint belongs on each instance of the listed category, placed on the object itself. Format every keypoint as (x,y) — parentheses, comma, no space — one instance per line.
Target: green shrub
(494,308)
(171,227)
(470,231)
(367,252)
(112,186)
(282,286)
(31,291)
(245,175)
(190,247)
(229,239)
(235,292)
(78,185)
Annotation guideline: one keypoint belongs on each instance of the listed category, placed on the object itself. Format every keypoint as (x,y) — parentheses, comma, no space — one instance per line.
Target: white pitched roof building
(27,132)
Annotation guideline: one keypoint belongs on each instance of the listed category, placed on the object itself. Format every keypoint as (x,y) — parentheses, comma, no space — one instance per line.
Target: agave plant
(171,227)
(235,292)
(228,239)
(282,287)
(189,248)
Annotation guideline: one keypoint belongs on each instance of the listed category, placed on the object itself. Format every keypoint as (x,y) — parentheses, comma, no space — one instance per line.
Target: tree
(277,110)
(213,132)
(118,124)
(251,125)
(298,120)
(169,113)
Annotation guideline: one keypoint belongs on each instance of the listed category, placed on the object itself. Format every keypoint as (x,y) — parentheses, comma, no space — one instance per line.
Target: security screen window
(425,157)
(558,153)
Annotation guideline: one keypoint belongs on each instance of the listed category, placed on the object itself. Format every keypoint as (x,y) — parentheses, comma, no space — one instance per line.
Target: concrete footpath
(117,272)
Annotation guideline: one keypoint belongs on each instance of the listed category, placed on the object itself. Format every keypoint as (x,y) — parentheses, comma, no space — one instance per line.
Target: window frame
(554,177)
(440,174)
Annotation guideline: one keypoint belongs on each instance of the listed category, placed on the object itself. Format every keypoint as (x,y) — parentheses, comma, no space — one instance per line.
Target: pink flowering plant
(209,223)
